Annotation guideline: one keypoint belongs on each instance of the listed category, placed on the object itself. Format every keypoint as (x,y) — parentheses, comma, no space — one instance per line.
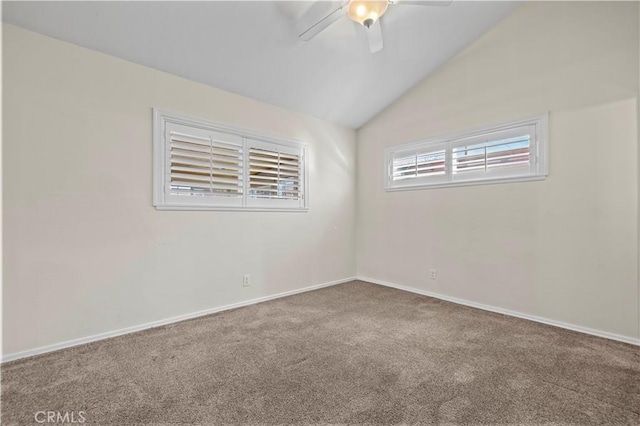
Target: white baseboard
(560,324)
(135,328)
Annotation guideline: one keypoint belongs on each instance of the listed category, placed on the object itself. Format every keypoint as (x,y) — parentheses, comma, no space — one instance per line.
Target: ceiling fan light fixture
(367,12)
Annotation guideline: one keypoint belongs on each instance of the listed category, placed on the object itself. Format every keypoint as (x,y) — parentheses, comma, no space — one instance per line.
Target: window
(509,152)
(205,166)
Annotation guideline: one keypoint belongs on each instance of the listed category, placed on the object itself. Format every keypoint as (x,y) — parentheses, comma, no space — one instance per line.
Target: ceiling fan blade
(422,3)
(374,35)
(323,23)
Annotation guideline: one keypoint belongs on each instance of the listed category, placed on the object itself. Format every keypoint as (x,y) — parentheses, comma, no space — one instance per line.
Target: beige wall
(564,249)
(85,252)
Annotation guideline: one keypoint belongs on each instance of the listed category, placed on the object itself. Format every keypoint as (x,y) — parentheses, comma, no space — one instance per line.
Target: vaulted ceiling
(252,48)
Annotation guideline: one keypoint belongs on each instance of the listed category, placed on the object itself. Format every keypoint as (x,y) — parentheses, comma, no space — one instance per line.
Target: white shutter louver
(428,164)
(275,174)
(501,153)
(513,152)
(419,165)
(204,166)
(201,167)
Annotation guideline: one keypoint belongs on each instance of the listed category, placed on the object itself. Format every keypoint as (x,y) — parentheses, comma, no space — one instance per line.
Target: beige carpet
(355,353)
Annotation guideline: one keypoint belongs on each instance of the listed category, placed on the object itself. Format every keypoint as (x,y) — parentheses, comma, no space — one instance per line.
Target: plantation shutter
(515,151)
(203,166)
(275,175)
(426,164)
(199,165)
(506,152)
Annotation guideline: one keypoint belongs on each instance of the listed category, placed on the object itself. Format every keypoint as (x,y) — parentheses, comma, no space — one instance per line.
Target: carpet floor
(355,353)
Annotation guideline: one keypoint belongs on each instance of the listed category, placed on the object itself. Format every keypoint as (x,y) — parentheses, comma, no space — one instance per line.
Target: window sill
(466,183)
(230,209)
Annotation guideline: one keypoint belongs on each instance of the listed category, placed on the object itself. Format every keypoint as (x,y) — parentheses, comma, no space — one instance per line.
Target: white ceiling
(251,48)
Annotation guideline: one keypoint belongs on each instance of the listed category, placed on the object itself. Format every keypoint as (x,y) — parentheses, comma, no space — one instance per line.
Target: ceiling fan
(365,12)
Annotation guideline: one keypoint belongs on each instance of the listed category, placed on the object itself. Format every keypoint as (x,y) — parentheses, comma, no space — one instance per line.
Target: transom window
(507,152)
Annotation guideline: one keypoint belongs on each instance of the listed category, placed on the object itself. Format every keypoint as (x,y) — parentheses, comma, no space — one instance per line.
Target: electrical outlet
(433,274)
(246,280)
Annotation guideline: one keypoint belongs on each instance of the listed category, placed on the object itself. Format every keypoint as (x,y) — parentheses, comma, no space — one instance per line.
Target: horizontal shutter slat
(205,185)
(191,139)
(272,184)
(276,190)
(190,147)
(182,137)
(274,161)
(215,163)
(207,193)
(179,153)
(189,162)
(271,178)
(203,178)
(204,171)
(191,184)
(270,153)
(257,167)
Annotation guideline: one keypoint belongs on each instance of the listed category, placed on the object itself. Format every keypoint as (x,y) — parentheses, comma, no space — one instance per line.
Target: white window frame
(163,201)
(538,170)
